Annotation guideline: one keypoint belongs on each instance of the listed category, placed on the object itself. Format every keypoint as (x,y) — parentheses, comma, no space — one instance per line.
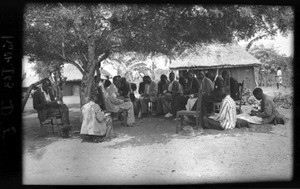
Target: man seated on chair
(124,89)
(174,89)
(268,112)
(150,95)
(46,105)
(96,125)
(191,92)
(114,104)
(226,119)
(206,87)
(162,89)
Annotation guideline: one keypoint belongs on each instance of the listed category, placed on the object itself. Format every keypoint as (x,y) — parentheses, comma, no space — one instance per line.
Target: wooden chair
(196,113)
(51,120)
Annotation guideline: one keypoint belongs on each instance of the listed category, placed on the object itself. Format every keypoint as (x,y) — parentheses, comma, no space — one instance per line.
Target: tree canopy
(86,34)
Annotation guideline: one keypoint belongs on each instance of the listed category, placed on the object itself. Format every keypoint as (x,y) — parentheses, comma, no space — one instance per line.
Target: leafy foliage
(86,34)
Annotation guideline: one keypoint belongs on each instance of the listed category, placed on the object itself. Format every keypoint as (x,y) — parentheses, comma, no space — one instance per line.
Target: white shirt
(93,120)
(279,73)
(47,96)
(227,115)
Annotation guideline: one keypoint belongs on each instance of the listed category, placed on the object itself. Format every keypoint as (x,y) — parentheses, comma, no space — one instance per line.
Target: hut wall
(246,74)
(67,89)
(76,89)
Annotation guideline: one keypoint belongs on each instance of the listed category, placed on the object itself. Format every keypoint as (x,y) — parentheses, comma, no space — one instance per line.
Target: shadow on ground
(158,130)
(151,130)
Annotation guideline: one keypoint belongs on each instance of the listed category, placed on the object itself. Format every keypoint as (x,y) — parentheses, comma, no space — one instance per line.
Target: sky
(285,45)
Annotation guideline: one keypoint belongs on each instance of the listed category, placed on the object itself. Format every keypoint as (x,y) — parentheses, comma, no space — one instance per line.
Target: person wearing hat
(46,105)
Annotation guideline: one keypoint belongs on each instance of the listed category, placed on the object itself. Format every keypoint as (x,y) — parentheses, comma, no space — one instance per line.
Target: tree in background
(127,64)
(51,70)
(86,34)
(271,59)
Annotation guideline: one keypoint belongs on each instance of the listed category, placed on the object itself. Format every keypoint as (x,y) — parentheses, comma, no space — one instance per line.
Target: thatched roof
(214,56)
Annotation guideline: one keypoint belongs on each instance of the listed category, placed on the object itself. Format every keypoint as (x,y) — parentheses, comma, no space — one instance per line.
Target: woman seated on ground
(96,125)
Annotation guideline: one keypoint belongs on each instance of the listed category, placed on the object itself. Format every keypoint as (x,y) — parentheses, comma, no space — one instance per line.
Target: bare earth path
(153,154)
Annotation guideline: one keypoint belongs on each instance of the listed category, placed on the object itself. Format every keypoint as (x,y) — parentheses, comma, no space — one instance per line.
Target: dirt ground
(152,153)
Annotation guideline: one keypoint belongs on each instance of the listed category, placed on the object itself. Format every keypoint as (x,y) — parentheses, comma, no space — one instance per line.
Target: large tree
(86,34)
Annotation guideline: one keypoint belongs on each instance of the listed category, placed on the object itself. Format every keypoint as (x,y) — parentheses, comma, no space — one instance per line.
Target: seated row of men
(170,96)
(167,96)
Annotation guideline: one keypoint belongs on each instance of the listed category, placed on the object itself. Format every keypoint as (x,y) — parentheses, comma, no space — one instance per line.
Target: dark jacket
(40,104)
(124,90)
(234,88)
(162,87)
(268,110)
(193,86)
(206,85)
(141,88)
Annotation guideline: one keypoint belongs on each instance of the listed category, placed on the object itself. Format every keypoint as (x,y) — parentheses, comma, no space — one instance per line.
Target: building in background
(216,58)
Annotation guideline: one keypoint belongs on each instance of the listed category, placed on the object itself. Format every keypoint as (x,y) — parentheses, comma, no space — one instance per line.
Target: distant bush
(284,101)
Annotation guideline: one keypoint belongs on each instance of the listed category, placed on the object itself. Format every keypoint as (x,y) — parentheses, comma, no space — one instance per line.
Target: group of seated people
(167,97)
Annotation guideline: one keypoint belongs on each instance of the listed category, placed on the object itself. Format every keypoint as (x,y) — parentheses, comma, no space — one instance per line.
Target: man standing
(46,105)
(279,78)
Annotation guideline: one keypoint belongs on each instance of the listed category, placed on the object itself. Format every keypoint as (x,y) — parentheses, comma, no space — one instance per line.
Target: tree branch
(68,60)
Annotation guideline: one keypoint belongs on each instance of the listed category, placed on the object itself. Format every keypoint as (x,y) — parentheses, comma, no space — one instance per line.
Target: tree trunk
(88,76)
(24,101)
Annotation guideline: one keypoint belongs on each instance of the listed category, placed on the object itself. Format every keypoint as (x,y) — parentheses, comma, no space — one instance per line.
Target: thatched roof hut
(212,57)
(74,77)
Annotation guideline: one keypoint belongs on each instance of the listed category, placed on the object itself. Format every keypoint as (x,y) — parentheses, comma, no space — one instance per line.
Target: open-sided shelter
(216,58)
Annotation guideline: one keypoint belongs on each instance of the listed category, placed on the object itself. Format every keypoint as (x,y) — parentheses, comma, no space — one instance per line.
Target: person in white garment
(279,78)
(96,125)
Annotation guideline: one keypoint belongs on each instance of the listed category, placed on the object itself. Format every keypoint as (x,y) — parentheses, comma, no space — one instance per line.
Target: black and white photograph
(157,94)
